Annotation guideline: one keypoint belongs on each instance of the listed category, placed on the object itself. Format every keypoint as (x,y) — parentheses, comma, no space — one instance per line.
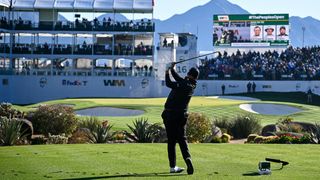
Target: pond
(108,111)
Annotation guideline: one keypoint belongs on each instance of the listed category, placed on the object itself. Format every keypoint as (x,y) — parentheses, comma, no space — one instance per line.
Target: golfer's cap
(269,28)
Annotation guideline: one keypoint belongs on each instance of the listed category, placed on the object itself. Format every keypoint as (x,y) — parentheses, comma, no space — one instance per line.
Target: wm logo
(117,83)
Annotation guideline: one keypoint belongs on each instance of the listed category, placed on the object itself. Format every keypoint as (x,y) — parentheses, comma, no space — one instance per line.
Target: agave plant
(100,132)
(143,132)
(10,131)
(315,134)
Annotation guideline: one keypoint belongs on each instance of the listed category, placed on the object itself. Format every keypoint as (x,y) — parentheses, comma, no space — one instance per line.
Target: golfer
(175,115)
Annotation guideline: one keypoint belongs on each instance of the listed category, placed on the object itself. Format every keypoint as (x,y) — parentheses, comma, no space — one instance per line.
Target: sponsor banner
(74,83)
(114,83)
(267,86)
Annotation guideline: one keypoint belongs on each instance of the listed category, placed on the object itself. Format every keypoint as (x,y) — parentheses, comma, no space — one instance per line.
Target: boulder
(269,130)
(306,127)
(216,131)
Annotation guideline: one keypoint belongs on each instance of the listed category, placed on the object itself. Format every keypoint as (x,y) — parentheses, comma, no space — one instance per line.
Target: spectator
(223,88)
(249,87)
(309,96)
(165,42)
(254,87)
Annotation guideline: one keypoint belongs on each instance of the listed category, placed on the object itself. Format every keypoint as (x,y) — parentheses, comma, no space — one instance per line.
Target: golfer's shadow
(252,173)
(161,174)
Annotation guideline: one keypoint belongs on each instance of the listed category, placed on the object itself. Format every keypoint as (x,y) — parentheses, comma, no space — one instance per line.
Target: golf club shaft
(196,57)
(277,161)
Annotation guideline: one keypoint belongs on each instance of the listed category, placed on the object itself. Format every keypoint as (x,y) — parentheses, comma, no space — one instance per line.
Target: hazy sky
(167,8)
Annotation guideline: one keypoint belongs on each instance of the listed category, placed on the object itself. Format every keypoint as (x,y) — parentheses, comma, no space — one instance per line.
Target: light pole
(303,30)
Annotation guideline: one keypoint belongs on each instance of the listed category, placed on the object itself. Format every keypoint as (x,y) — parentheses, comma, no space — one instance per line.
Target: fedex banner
(251,29)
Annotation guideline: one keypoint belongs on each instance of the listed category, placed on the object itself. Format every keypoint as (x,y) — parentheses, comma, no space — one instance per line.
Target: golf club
(284,163)
(196,57)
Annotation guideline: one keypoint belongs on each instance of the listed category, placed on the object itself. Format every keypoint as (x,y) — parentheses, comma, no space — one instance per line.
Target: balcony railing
(68,49)
(128,26)
(77,72)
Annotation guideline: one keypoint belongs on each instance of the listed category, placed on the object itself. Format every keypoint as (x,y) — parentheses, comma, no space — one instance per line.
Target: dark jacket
(181,92)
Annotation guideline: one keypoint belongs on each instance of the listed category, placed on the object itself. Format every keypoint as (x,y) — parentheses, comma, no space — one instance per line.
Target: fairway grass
(149,161)
(213,108)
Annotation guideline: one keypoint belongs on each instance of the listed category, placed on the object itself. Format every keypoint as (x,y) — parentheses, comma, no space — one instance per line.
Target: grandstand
(291,64)
(36,40)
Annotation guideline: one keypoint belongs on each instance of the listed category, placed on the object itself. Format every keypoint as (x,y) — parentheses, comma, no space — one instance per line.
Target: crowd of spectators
(84,48)
(105,24)
(291,64)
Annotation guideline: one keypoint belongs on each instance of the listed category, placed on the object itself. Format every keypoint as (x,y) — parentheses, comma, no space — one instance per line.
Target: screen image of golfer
(283,32)
(272,29)
(269,33)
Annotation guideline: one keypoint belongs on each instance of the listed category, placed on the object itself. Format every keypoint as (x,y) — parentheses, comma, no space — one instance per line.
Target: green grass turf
(214,108)
(149,161)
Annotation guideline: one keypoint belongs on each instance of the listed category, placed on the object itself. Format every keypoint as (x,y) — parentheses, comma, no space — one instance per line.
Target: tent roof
(140,6)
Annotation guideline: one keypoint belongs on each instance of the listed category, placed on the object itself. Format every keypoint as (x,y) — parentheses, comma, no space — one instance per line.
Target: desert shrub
(244,125)
(6,110)
(286,124)
(57,139)
(258,139)
(54,119)
(99,132)
(10,131)
(251,138)
(216,140)
(144,132)
(289,139)
(239,127)
(81,136)
(39,139)
(198,127)
(119,137)
(223,123)
(225,138)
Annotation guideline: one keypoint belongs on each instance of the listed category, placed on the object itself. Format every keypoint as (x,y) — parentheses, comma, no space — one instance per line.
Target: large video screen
(251,30)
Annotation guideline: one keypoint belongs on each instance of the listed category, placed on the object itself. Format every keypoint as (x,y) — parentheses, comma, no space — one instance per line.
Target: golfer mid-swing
(175,115)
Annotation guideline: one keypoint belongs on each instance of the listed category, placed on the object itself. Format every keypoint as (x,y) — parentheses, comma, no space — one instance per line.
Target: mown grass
(149,161)
(214,108)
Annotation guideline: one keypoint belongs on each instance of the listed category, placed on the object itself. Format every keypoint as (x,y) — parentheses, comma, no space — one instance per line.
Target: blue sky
(167,8)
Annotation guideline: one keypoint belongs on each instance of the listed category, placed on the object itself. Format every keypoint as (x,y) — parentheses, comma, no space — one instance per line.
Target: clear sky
(167,8)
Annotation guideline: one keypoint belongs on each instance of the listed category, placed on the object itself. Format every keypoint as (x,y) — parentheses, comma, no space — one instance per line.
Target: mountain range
(199,21)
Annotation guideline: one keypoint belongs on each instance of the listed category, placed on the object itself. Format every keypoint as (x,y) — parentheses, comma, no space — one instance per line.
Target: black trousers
(176,123)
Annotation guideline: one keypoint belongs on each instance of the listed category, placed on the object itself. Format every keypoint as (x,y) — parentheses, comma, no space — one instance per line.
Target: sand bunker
(242,98)
(108,111)
(270,109)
